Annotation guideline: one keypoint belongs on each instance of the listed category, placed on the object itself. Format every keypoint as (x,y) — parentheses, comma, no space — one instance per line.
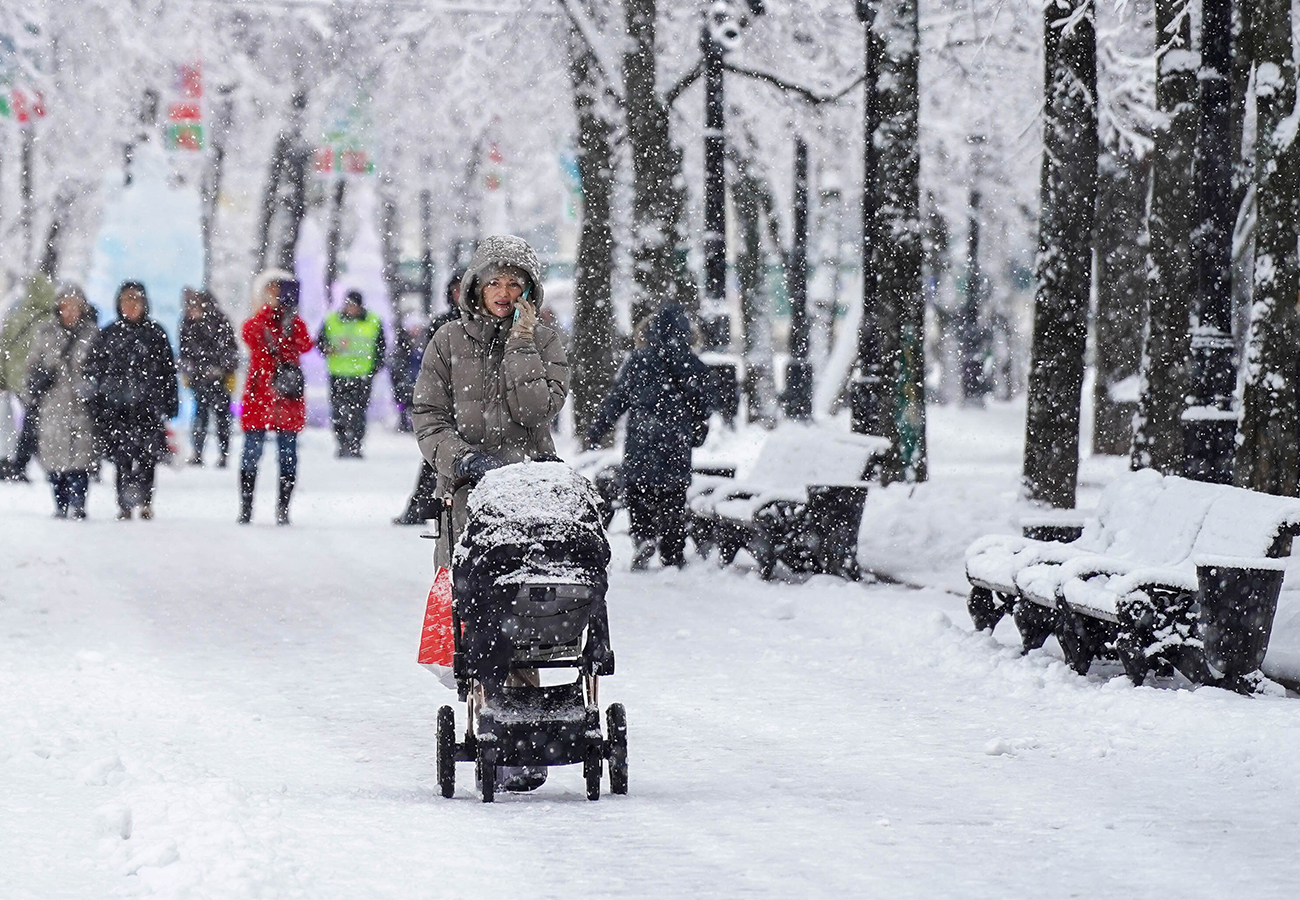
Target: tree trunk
(1069,195)
(285,201)
(658,201)
(1266,443)
(591,353)
(1158,430)
(333,238)
(759,387)
(898,242)
(1122,251)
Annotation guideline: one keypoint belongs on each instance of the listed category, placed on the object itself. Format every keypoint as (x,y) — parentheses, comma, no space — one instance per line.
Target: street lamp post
(1209,422)
(866,409)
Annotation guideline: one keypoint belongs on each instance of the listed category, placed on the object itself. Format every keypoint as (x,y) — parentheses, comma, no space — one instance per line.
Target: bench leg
(1075,637)
(1034,622)
(986,608)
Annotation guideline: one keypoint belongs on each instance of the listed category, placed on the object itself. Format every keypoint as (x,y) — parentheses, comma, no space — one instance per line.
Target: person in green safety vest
(352,341)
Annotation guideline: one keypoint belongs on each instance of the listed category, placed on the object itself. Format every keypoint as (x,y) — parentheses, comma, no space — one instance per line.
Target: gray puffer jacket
(481,389)
(66,439)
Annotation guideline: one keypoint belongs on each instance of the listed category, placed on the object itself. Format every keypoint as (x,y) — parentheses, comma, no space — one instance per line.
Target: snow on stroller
(528,583)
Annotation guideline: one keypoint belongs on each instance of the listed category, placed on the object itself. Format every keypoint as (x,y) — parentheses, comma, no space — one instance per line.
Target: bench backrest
(795,455)
(1149,518)
(1247,523)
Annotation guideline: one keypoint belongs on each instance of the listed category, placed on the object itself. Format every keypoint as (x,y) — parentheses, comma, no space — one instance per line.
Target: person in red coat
(273,392)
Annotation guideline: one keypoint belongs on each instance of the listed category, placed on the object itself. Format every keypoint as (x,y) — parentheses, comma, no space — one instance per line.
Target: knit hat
(500,250)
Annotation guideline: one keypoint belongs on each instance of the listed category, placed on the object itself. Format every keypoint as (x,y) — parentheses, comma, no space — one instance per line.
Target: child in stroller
(529,576)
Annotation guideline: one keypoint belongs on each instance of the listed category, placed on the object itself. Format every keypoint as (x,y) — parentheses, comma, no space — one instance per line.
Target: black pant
(27,438)
(661,513)
(349,400)
(134,480)
(211,400)
(420,507)
(69,490)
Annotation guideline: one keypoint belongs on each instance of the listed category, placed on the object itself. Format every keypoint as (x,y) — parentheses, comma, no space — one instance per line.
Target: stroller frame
(524,723)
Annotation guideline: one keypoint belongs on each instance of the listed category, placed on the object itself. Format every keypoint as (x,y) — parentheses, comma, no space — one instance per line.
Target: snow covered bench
(1142,581)
(800,503)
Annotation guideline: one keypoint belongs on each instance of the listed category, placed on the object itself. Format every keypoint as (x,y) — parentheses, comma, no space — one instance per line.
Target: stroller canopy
(544,510)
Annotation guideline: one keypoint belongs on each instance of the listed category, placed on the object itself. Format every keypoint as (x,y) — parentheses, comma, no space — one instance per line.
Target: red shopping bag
(436,643)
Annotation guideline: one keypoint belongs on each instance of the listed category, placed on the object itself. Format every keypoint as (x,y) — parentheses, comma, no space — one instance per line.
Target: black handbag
(287,380)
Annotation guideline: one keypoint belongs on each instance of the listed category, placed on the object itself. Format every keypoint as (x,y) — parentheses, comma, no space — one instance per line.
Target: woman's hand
(527,320)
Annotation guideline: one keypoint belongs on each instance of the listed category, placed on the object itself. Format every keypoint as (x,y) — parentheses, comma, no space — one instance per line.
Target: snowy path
(245,705)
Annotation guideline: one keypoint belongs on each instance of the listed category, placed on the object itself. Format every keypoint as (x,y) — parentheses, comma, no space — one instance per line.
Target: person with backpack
(133,373)
(208,360)
(274,391)
(58,387)
(352,342)
(663,389)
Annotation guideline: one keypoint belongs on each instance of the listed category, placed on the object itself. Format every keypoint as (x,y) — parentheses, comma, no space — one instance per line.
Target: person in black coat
(663,389)
(207,361)
(133,376)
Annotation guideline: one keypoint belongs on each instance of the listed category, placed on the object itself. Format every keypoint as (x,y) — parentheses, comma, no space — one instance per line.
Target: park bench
(1168,573)
(800,503)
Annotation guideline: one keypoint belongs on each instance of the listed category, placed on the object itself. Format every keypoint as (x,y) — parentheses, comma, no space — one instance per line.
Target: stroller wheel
(487,770)
(591,764)
(616,720)
(447,751)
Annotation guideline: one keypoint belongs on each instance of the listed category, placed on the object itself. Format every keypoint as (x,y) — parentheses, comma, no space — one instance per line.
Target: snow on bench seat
(793,457)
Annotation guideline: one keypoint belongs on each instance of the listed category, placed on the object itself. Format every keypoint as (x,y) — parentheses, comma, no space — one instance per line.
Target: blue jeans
(286,443)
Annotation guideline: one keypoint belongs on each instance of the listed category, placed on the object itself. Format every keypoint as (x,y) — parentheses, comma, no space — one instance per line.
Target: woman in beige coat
(56,382)
(491,381)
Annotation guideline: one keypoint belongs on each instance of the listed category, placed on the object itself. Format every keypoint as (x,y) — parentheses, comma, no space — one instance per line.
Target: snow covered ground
(197,710)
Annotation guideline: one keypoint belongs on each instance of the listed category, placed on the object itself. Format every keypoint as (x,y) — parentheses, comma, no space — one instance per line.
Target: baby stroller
(529,576)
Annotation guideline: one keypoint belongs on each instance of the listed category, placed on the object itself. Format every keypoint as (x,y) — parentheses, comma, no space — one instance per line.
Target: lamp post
(721,34)
(798,373)
(1209,422)
(866,409)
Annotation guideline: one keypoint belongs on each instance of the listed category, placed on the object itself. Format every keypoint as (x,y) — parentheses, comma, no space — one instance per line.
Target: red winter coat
(264,410)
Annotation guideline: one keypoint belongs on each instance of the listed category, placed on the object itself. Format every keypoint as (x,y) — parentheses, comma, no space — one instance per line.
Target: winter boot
(247,481)
(223,459)
(282,501)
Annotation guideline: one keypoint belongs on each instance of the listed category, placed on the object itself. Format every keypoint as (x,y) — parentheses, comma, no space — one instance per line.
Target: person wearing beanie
(273,391)
(352,342)
(133,375)
(208,360)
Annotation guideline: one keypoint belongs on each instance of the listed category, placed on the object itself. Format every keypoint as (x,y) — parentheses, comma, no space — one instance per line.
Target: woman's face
(69,311)
(132,304)
(500,293)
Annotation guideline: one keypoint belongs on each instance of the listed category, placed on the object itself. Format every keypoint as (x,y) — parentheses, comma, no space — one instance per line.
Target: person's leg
(122,484)
(364,387)
(221,410)
(27,441)
(78,483)
(287,445)
(337,411)
(60,487)
(672,522)
(248,462)
(146,467)
(641,512)
(419,508)
(199,433)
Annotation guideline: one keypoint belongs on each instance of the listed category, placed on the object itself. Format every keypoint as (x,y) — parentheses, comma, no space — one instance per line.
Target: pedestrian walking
(352,342)
(274,389)
(404,365)
(491,381)
(133,374)
(420,505)
(36,310)
(208,360)
(663,389)
(57,387)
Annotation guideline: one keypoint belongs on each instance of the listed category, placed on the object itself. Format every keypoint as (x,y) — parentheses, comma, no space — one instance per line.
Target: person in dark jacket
(663,389)
(352,342)
(208,360)
(419,508)
(133,374)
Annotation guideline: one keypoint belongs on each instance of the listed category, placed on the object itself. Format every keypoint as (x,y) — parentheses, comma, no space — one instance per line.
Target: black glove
(472,466)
